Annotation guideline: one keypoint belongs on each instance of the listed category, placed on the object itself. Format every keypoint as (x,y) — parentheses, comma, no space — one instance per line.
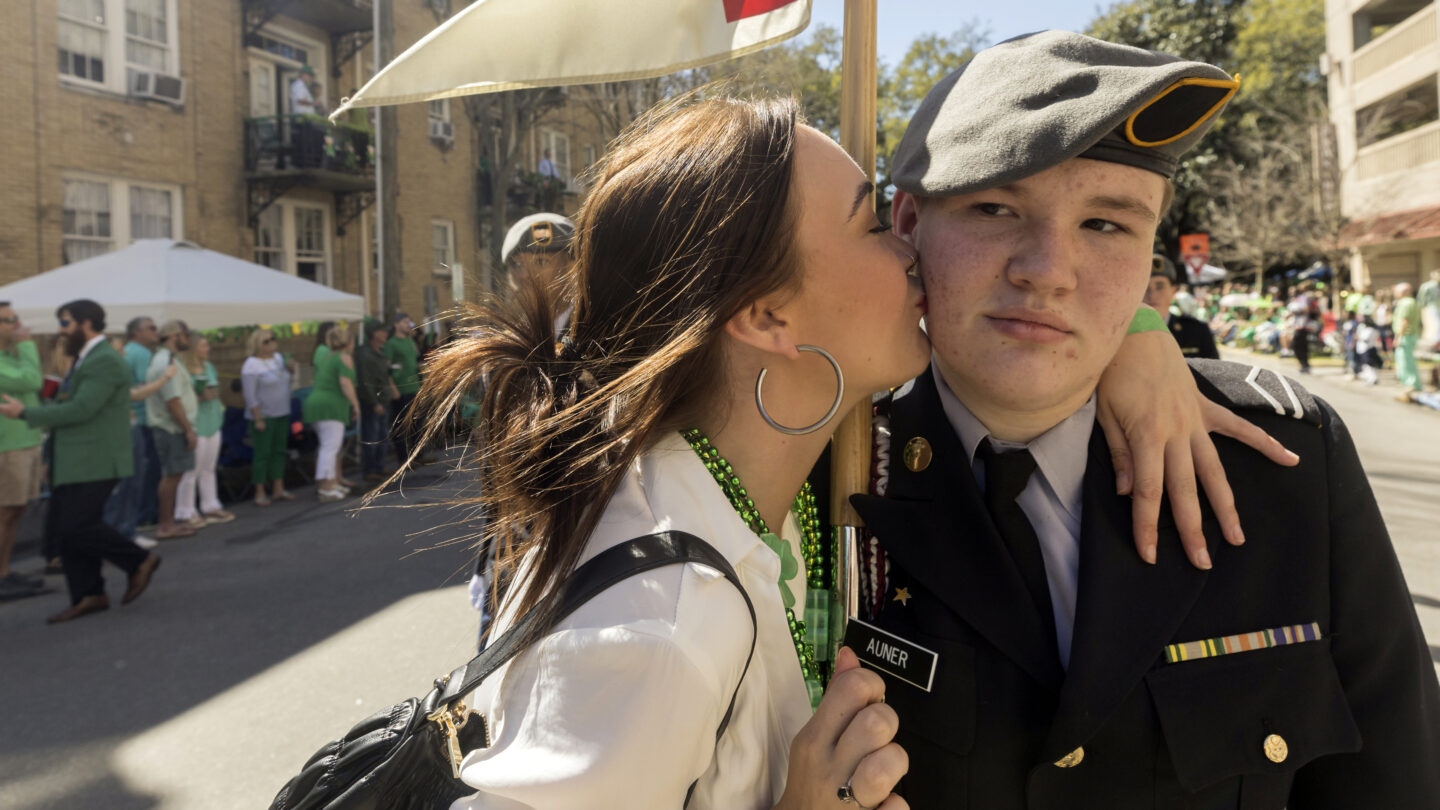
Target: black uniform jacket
(1194,337)
(1358,711)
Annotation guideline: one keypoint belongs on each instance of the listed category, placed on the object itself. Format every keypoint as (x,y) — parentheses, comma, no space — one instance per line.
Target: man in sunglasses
(90,446)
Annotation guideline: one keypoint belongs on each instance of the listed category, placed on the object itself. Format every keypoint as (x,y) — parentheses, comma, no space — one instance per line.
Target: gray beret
(537,233)
(1035,101)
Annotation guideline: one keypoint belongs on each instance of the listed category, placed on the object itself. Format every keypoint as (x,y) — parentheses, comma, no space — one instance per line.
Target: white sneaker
(328,495)
(144,542)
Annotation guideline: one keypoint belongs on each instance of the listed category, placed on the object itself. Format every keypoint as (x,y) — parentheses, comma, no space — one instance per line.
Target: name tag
(892,654)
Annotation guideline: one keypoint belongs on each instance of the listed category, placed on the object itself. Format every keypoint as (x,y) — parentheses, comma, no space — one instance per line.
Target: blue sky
(901,21)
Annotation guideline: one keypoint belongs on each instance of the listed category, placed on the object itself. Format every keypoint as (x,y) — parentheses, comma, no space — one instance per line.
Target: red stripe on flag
(740,9)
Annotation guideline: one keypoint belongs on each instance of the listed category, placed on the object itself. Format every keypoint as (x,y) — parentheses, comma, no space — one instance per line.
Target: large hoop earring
(830,414)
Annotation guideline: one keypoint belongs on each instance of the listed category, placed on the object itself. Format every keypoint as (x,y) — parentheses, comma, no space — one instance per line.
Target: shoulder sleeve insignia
(1245,387)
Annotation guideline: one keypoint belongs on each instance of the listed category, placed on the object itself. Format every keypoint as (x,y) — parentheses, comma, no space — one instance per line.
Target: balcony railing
(1413,35)
(290,144)
(1401,153)
(335,16)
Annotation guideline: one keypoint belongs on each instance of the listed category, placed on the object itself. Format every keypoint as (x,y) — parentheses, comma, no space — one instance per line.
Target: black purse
(408,756)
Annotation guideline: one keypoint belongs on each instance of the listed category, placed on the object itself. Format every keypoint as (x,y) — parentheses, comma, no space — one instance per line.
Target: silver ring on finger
(846,794)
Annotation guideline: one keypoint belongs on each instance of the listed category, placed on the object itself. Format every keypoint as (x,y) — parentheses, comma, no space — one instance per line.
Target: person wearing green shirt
(331,406)
(171,415)
(375,390)
(133,502)
(321,349)
(404,360)
(20,377)
(209,416)
(89,423)
(1405,320)
(1428,297)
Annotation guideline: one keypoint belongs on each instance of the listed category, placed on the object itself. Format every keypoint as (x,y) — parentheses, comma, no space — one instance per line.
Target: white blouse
(618,706)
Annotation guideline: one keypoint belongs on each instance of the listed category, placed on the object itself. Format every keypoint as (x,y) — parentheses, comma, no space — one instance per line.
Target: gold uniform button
(917,454)
(1072,759)
(1276,750)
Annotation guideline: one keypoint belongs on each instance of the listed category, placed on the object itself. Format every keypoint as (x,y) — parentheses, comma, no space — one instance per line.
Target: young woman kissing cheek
(859,295)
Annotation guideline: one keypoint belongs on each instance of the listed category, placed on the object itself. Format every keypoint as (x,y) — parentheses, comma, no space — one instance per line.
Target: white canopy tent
(165,279)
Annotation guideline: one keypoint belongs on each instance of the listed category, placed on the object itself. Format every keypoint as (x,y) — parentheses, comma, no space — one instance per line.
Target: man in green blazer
(90,451)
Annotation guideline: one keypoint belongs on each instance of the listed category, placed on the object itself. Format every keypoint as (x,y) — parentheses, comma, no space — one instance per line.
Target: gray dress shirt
(1051,500)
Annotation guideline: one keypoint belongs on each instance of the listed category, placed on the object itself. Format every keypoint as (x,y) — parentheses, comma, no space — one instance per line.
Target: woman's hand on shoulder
(1158,426)
(849,741)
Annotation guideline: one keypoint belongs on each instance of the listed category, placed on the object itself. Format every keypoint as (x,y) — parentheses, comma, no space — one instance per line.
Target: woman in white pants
(329,408)
(209,416)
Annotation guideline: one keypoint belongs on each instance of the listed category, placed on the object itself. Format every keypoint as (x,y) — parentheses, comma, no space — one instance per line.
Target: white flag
(496,45)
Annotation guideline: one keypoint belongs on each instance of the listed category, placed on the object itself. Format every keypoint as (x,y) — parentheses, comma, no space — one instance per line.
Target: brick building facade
(129,119)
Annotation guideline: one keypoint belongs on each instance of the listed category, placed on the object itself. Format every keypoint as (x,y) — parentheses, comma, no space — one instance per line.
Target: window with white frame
(558,145)
(100,214)
(151,213)
(96,38)
(294,237)
(147,34)
(270,238)
(311,253)
(439,125)
(442,244)
(85,220)
(83,39)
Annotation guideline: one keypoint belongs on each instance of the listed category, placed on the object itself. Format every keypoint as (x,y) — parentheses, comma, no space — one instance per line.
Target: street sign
(1195,252)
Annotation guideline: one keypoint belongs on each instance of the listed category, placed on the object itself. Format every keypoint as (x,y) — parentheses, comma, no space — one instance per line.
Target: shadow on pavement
(230,603)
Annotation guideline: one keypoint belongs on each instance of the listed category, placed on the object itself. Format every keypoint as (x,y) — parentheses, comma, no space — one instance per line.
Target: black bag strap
(605,569)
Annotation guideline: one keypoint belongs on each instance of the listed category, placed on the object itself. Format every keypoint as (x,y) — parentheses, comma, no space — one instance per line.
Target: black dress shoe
(90,604)
(140,579)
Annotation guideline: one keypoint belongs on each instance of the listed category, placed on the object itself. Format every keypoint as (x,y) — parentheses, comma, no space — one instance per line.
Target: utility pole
(388,192)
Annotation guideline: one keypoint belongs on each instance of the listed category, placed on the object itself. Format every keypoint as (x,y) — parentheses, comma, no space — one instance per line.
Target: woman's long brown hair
(690,218)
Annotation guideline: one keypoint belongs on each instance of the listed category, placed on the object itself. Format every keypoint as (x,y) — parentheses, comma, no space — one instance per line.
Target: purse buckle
(451,719)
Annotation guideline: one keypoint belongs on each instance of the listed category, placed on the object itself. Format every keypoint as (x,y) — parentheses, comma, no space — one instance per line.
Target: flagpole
(850,448)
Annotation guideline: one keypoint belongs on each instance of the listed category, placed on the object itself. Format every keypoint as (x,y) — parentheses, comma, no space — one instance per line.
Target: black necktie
(1006,475)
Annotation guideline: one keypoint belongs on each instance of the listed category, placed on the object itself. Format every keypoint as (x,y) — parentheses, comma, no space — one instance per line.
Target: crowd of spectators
(1395,326)
(124,438)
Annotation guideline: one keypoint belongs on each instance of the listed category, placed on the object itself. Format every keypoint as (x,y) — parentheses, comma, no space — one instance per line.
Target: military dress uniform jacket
(1194,337)
(1350,720)
(90,421)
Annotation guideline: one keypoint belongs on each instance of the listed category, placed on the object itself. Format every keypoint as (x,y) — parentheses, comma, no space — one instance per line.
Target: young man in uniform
(1192,334)
(1034,660)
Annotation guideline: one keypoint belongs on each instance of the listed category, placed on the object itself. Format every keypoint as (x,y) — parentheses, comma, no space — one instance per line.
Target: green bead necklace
(809,519)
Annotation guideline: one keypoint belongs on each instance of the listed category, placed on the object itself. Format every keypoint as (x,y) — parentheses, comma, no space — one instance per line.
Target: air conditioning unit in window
(442,130)
(445,271)
(159,86)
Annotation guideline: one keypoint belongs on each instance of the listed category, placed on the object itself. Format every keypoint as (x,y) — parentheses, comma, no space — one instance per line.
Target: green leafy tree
(808,69)
(1202,30)
(930,58)
(1277,51)
(1264,134)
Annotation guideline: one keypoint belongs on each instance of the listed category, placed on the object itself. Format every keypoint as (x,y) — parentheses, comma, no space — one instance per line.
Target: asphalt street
(258,641)
(261,639)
